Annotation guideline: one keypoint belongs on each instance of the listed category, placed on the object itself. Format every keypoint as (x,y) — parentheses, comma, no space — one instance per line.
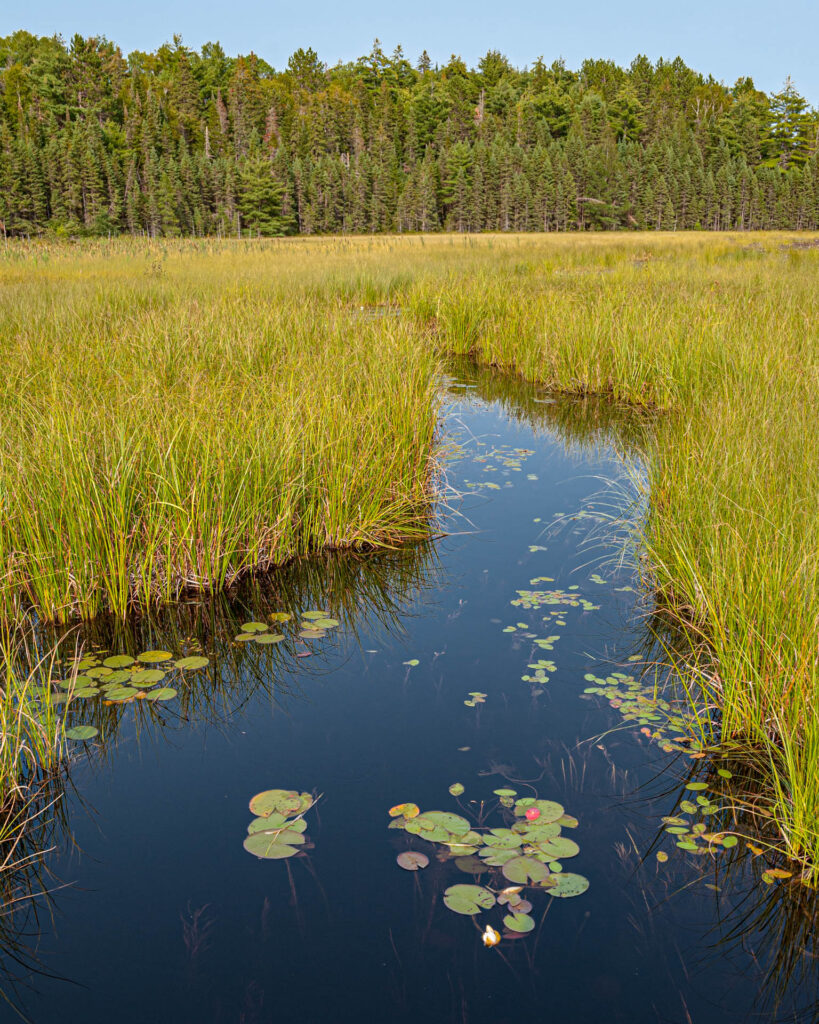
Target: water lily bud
(490,937)
(532,814)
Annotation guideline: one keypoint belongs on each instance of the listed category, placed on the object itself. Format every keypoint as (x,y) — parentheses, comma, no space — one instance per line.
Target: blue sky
(726,38)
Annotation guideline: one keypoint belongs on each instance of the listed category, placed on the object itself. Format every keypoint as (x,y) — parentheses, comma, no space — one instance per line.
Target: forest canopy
(180,142)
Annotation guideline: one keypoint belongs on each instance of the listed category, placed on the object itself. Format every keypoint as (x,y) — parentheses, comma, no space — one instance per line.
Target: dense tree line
(180,142)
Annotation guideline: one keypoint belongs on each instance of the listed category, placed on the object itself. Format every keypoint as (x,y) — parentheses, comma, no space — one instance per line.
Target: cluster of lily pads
(475,698)
(509,864)
(277,830)
(507,458)
(314,626)
(533,600)
(671,726)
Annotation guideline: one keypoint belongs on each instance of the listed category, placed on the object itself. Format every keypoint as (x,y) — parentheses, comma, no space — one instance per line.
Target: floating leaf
(262,824)
(98,673)
(662,856)
(568,885)
(82,732)
(453,823)
(470,865)
(525,869)
(192,663)
(280,617)
(121,693)
(560,847)
(729,841)
(505,792)
(412,861)
(456,789)
(118,661)
(407,810)
(163,693)
(254,627)
(724,773)
(147,676)
(265,846)
(268,638)
(285,801)
(326,623)
(468,899)
(696,785)
(153,657)
(313,614)
(503,839)
(519,922)
(497,858)
(120,676)
(87,691)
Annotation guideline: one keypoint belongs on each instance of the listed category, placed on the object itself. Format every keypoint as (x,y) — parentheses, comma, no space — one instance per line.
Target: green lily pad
(118,661)
(519,923)
(534,832)
(87,692)
(147,676)
(427,830)
(453,823)
(503,839)
(456,789)
(118,677)
(312,634)
(280,617)
(696,785)
(468,899)
(153,657)
(268,638)
(567,884)
(523,870)
(192,663)
(325,623)
(411,860)
(82,732)
(567,821)
(266,846)
(560,847)
(163,693)
(254,627)
(262,824)
(313,614)
(99,673)
(505,792)
(470,865)
(120,693)
(497,858)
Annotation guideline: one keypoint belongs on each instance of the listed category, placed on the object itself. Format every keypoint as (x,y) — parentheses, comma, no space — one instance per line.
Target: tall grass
(176,415)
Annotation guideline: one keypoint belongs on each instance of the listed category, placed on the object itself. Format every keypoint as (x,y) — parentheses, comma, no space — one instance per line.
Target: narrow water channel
(434,678)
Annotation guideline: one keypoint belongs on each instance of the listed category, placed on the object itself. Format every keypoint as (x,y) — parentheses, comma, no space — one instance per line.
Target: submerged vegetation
(179,415)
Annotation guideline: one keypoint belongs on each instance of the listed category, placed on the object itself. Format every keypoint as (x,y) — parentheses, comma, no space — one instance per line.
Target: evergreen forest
(180,142)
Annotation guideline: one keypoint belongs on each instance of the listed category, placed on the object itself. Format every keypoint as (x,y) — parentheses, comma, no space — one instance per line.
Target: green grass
(179,414)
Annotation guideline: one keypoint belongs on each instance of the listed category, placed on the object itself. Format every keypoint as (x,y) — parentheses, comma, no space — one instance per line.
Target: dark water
(157,913)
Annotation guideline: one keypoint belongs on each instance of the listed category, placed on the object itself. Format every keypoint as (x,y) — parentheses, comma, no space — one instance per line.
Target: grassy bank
(177,414)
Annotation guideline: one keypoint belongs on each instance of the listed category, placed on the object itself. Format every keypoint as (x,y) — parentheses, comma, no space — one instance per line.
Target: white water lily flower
(490,937)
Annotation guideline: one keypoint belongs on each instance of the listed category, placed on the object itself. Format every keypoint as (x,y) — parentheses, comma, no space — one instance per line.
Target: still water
(156,911)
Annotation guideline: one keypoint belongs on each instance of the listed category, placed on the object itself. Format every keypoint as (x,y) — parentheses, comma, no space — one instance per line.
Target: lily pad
(567,884)
(280,617)
(519,923)
(505,792)
(87,692)
(268,638)
(497,858)
(262,824)
(411,860)
(154,657)
(313,614)
(267,847)
(407,810)
(99,672)
(468,899)
(147,676)
(453,823)
(523,870)
(118,661)
(254,627)
(82,732)
(456,789)
(470,865)
(503,839)
(560,848)
(121,693)
(163,693)
(192,663)
(325,623)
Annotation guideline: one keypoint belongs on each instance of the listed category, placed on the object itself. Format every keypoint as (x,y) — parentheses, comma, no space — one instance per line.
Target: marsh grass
(177,415)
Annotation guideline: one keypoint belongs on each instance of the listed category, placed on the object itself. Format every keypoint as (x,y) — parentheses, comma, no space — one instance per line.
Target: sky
(724,38)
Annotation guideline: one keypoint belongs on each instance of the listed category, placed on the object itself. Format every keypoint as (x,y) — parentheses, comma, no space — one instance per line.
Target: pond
(459,663)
